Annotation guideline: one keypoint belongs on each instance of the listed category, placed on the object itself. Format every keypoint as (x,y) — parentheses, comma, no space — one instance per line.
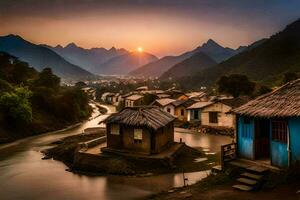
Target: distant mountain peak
(113,49)
(58,46)
(14,37)
(71,45)
(211,44)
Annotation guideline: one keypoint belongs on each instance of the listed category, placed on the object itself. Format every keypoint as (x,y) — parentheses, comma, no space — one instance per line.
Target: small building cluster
(266,128)
(194,107)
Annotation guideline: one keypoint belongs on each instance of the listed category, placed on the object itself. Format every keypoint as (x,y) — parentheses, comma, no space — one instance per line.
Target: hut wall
(294,127)
(113,141)
(138,102)
(172,109)
(227,120)
(245,138)
(178,113)
(130,144)
(163,137)
(191,115)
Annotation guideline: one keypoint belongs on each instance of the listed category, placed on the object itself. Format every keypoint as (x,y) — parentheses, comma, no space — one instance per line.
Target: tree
(289,76)
(235,85)
(149,98)
(80,84)
(16,105)
(5,86)
(261,89)
(48,79)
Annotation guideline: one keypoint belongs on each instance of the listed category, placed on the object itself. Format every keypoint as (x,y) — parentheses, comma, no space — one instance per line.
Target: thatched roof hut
(150,116)
(282,102)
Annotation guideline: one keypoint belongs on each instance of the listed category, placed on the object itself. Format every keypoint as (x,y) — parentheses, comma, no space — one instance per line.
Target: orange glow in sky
(169,27)
(140,49)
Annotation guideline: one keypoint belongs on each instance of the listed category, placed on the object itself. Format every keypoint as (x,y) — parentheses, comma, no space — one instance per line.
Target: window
(182,112)
(115,129)
(213,117)
(196,114)
(168,110)
(279,131)
(138,135)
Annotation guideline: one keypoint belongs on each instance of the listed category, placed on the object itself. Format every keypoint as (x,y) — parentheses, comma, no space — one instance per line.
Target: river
(25,176)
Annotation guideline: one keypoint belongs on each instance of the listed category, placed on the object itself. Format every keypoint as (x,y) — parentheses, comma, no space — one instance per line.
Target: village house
(199,96)
(116,98)
(176,108)
(134,100)
(180,108)
(215,114)
(177,94)
(194,111)
(166,105)
(142,130)
(268,127)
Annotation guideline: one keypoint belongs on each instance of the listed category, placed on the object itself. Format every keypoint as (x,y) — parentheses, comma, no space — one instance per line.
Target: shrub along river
(24,175)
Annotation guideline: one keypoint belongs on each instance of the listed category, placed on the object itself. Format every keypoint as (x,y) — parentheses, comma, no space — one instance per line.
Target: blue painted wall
(279,154)
(245,137)
(294,127)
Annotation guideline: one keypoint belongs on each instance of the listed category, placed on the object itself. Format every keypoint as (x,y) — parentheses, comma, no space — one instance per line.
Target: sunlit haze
(162,27)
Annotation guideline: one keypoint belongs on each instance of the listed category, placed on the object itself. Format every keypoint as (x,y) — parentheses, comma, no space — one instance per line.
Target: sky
(161,27)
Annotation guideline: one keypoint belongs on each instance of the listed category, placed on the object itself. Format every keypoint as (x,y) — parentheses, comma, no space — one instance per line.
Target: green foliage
(15,71)
(261,89)
(149,98)
(289,76)
(48,79)
(80,84)
(5,86)
(34,102)
(16,105)
(235,85)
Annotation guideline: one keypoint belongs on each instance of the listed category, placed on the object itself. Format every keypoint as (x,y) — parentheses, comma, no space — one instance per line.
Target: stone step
(247,181)
(257,169)
(252,176)
(216,169)
(241,187)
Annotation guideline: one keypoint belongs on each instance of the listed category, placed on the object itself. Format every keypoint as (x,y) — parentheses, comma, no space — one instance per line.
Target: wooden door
(262,139)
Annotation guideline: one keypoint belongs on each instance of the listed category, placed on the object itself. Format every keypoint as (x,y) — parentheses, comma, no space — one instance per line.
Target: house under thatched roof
(149,116)
(163,102)
(234,102)
(282,102)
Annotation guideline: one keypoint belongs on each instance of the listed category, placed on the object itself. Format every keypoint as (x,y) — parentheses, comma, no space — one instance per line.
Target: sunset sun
(140,49)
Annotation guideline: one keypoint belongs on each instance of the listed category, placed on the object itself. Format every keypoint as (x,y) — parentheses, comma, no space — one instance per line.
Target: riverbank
(64,149)
(187,160)
(285,185)
(22,167)
(53,125)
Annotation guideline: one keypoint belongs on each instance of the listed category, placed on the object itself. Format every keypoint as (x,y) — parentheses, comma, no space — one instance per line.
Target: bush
(16,105)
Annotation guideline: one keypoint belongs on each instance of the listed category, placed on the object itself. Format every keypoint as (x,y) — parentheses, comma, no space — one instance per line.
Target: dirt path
(226,192)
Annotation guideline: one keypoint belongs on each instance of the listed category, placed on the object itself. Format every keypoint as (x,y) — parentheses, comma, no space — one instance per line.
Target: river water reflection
(23,175)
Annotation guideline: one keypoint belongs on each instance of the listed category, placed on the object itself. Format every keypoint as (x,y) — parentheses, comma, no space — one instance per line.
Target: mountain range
(104,61)
(210,48)
(264,61)
(89,59)
(122,65)
(41,57)
(189,66)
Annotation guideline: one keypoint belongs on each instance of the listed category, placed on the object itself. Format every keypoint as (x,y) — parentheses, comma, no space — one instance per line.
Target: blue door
(245,137)
(279,139)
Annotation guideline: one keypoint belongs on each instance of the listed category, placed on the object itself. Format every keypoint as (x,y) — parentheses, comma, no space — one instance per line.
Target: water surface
(24,176)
